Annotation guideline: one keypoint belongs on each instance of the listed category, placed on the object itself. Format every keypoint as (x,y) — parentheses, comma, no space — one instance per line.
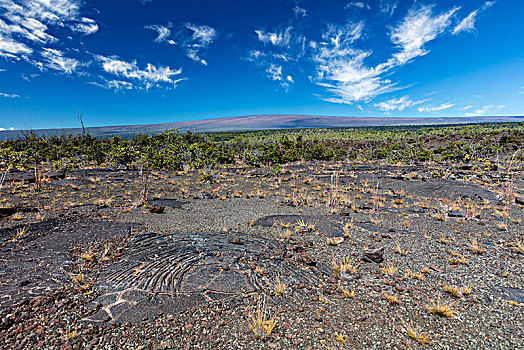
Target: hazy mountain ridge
(260,122)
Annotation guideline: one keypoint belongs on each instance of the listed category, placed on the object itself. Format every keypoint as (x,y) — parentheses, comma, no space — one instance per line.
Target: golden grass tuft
(261,322)
(280,287)
(441,309)
(19,233)
(415,334)
(390,270)
(476,247)
(457,292)
(343,266)
(393,300)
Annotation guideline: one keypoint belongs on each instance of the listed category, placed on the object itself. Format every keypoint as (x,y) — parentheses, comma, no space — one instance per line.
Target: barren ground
(82,267)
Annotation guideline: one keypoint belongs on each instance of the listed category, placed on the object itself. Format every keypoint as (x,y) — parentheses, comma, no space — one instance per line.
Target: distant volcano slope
(261,122)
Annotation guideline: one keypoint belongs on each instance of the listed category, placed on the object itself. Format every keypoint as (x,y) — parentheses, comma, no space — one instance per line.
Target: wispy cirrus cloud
(467,24)
(397,104)
(201,37)
(432,109)
(55,59)
(388,6)
(342,67)
(278,50)
(419,27)
(85,26)
(484,109)
(163,33)
(26,26)
(299,11)
(5,95)
(137,78)
(192,38)
(277,38)
(358,4)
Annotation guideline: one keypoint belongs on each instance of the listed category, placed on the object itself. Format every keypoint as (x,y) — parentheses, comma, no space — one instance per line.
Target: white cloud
(483,110)
(85,26)
(201,38)
(388,7)
(12,49)
(467,107)
(163,32)
(418,27)
(55,59)
(467,24)
(150,76)
(397,104)
(430,109)
(274,72)
(278,51)
(341,68)
(281,38)
(299,11)
(3,94)
(358,4)
(204,35)
(25,25)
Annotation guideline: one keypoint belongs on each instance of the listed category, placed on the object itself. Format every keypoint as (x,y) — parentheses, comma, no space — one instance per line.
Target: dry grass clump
(415,334)
(348,294)
(476,247)
(19,233)
(393,300)
(399,250)
(285,234)
(343,266)
(261,322)
(518,247)
(441,309)
(390,270)
(457,292)
(280,287)
(334,241)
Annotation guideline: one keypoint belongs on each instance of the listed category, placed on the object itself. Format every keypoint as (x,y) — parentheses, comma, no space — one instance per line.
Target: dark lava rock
(307,259)
(163,275)
(375,256)
(512,294)
(203,195)
(235,240)
(13,210)
(54,175)
(166,202)
(455,214)
(156,210)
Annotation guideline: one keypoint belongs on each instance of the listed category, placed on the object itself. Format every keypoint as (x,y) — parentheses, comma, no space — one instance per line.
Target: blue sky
(155,61)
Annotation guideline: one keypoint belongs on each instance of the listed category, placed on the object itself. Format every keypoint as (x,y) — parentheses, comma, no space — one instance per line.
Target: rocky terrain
(316,255)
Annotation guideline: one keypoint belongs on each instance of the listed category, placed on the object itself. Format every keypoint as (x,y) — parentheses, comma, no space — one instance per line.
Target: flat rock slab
(166,202)
(331,226)
(511,294)
(448,189)
(35,263)
(171,273)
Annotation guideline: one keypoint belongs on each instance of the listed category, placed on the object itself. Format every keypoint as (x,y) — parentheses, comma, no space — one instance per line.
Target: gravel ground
(438,227)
